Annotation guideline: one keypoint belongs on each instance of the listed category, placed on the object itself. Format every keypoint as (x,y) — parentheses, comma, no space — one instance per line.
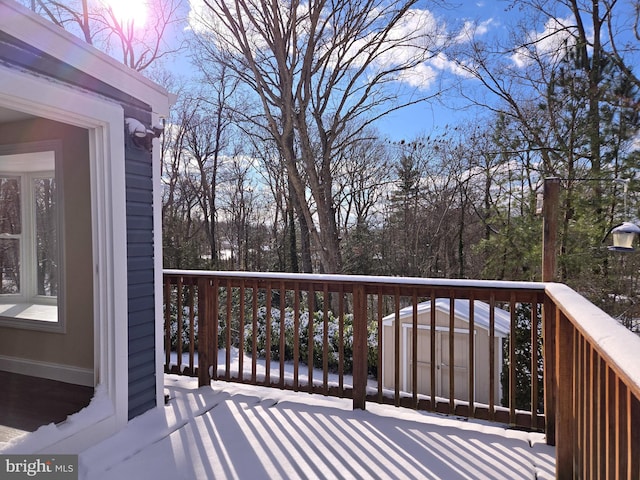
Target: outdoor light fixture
(623,236)
(142,135)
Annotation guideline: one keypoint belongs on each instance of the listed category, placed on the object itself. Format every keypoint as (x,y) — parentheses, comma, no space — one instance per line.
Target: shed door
(442,362)
(460,364)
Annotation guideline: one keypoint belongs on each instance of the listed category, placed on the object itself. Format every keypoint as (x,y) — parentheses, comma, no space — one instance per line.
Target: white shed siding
(442,368)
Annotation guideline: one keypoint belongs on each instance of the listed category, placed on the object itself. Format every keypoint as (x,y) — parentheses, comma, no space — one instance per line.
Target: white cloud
(412,40)
(421,76)
(472,30)
(557,33)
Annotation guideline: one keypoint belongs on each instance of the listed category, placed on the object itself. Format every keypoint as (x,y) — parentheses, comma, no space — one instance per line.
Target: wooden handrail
(349,336)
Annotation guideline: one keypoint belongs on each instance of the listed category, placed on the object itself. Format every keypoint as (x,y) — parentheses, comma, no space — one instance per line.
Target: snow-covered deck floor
(247,432)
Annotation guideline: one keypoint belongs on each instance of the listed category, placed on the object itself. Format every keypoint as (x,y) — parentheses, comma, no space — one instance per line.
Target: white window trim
(30,291)
(28,310)
(105,122)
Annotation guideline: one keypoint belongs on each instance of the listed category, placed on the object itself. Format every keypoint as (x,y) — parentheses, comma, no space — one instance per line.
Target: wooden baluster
(380,327)
(204,319)
(492,357)
(213,325)
(341,340)
(565,415)
(512,359)
(296,336)
(311,344)
(282,333)
(472,356)
(534,364)
(432,340)
(228,320)
(601,452)
(179,327)
(623,450)
(634,436)
(254,332)
(167,324)
(268,320)
(396,349)
(549,318)
(452,352)
(192,322)
(360,338)
(325,340)
(241,331)
(414,351)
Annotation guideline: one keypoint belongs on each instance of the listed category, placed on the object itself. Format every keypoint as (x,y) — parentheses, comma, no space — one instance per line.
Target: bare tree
(362,178)
(136,42)
(317,68)
(238,204)
(181,217)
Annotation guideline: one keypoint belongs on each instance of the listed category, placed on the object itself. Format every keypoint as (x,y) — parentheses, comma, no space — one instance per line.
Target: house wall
(46,71)
(481,347)
(140,272)
(75,347)
(144,389)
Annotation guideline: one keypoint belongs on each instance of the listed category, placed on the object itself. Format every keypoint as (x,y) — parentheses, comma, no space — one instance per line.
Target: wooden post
(551,195)
(360,340)
(204,316)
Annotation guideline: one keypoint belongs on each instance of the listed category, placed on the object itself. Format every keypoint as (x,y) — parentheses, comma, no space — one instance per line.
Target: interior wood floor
(27,403)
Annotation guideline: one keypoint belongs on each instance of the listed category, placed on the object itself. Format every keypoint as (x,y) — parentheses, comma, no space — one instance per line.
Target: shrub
(333,339)
(185,331)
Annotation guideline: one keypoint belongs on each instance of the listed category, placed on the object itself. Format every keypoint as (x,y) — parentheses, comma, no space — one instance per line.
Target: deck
(580,386)
(231,430)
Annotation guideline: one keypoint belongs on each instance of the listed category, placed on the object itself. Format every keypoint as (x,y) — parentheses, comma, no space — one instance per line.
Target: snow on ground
(240,431)
(333,379)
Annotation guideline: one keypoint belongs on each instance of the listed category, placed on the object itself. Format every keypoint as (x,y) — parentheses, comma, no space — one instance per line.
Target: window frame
(22,310)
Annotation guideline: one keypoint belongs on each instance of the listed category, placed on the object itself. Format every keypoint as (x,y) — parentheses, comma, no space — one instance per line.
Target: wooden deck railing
(594,379)
(354,337)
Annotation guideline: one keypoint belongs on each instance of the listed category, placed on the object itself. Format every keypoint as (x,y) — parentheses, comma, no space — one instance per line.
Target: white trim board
(51,371)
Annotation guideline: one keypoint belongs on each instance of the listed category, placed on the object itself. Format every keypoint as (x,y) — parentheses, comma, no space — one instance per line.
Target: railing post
(549,364)
(360,341)
(204,316)
(566,421)
(551,193)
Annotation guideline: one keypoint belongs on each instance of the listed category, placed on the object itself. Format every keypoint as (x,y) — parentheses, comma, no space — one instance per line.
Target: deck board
(26,403)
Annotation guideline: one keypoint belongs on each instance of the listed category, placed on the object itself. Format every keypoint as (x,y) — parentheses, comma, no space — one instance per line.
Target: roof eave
(23,24)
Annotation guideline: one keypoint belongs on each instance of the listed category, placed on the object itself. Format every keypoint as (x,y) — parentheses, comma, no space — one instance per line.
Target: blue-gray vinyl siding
(140,282)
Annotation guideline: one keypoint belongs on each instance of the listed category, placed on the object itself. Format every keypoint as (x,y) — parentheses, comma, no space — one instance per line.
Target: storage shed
(461,360)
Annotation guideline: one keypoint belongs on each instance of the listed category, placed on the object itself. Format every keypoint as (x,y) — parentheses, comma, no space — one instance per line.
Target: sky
(488,19)
(438,77)
(436,114)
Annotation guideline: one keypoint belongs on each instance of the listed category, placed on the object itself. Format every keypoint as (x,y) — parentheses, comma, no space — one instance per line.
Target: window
(29,240)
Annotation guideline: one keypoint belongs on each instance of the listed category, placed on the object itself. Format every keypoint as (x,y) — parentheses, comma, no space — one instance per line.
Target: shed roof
(502,318)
